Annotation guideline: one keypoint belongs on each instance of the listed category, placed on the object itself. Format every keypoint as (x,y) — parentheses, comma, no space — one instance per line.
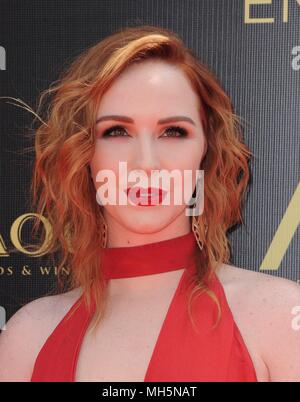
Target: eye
(114,129)
(176,129)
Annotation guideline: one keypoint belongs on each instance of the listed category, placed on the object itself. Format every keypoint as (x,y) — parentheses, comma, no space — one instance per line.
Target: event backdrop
(253,47)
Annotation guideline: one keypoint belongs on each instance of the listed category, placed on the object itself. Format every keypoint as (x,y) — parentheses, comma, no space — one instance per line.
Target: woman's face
(145,94)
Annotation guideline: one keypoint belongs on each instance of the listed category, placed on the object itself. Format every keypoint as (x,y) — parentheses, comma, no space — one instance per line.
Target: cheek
(105,166)
(188,161)
(188,156)
(105,157)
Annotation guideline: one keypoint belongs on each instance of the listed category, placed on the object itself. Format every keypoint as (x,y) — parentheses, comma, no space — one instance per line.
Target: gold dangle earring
(103,229)
(195,217)
(103,225)
(196,231)
(196,228)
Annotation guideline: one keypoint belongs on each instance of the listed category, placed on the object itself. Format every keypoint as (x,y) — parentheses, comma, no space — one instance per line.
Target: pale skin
(261,304)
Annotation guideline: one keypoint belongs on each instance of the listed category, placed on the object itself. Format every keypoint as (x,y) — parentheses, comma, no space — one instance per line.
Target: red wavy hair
(62,188)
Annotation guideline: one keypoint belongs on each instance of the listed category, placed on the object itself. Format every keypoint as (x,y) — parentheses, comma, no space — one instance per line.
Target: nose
(146,155)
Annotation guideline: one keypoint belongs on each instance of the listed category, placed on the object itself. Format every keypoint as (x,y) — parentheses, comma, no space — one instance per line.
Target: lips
(145,196)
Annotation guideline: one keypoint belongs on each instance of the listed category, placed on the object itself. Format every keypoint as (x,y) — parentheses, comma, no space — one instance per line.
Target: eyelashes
(117,128)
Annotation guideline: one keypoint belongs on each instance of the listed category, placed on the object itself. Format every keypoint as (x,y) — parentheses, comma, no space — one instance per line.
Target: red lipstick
(145,196)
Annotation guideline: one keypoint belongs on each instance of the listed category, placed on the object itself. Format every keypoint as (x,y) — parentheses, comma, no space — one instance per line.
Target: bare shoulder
(26,332)
(259,287)
(267,308)
(43,312)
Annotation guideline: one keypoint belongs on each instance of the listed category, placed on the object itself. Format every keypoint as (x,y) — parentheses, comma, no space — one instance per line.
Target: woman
(140,97)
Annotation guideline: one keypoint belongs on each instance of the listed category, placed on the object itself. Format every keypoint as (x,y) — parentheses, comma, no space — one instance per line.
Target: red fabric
(181,352)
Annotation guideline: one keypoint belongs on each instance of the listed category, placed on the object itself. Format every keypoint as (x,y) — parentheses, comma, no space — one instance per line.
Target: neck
(138,266)
(120,236)
(143,286)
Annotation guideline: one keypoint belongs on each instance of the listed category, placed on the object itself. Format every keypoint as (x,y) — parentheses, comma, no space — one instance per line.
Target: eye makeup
(119,128)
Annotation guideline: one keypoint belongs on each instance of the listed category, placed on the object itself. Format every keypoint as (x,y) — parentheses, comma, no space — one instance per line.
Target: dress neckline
(168,322)
(169,316)
(148,259)
(179,354)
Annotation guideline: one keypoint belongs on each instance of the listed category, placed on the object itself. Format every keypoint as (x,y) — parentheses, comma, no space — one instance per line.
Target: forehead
(150,86)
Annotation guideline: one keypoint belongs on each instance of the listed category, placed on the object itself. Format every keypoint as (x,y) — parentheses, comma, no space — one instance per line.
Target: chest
(122,346)
(249,328)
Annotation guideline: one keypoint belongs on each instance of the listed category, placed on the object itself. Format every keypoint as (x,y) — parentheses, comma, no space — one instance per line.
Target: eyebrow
(130,120)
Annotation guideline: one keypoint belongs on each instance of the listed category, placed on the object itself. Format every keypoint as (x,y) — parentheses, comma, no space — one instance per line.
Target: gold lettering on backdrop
(45,270)
(15,234)
(285,10)
(284,234)
(249,20)
(3,249)
(26,270)
(6,271)
(48,270)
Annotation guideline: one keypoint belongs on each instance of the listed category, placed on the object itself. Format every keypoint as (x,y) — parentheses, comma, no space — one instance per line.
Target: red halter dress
(181,353)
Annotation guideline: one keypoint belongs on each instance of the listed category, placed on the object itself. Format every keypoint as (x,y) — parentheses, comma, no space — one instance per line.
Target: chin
(146,220)
(144,226)
(145,223)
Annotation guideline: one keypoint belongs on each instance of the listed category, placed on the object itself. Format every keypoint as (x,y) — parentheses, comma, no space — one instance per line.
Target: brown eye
(180,131)
(118,131)
(114,129)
